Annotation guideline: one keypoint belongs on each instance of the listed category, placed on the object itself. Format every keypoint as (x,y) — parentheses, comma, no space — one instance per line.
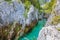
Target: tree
(48,7)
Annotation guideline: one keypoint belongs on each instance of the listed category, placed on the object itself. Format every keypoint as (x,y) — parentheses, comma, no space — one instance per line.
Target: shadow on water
(33,33)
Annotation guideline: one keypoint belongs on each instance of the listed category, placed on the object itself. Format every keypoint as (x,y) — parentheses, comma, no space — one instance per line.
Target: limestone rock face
(15,12)
(31,15)
(13,20)
(11,12)
(49,33)
(1,0)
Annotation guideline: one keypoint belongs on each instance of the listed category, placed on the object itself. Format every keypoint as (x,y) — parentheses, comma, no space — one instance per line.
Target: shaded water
(34,32)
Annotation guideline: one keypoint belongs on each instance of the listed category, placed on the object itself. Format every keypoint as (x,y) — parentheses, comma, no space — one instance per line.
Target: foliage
(56,19)
(48,7)
(8,0)
(27,5)
(25,14)
(36,4)
(58,29)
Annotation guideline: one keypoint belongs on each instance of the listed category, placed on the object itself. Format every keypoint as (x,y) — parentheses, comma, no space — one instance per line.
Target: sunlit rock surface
(49,33)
